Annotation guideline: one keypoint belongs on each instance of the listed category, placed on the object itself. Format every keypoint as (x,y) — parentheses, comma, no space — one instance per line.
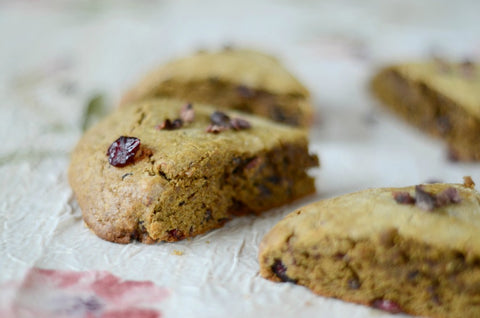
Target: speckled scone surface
(245,80)
(440,98)
(185,181)
(412,249)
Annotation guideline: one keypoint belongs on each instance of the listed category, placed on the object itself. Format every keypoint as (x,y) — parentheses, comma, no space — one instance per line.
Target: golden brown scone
(440,98)
(244,80)
(160,170)
(414,249)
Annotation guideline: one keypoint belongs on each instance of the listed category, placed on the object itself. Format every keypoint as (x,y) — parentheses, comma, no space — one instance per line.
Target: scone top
(246,67)
(374,213)
(460,82)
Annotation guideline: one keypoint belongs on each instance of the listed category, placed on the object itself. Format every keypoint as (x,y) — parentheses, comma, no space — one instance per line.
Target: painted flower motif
(92,294)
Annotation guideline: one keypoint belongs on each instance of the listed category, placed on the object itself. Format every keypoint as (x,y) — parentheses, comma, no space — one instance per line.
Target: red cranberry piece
(387,305)
(281,271)
(122,151)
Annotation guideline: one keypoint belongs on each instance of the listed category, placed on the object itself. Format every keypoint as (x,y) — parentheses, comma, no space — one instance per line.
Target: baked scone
(414,249)
(244,80)
(440,98)
(163,170)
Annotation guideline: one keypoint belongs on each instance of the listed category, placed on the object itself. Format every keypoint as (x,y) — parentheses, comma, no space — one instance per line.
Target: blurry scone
(440,98)
(414,249)
(163,170)
(244,80)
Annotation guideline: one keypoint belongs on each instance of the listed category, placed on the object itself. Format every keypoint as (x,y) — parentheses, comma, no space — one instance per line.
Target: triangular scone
(191,170)
(440,98)
(244,80)
(412,249)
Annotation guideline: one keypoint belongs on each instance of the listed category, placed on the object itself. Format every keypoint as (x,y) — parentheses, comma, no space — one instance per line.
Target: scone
(414,249)
(440,98)
(244,80)
(163,170)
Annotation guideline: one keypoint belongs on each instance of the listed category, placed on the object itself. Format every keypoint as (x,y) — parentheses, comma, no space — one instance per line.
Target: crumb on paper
(178,253)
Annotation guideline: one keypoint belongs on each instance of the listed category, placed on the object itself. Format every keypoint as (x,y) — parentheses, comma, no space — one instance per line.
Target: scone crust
(185,181)
(366,248)
(442,99)
(245,80)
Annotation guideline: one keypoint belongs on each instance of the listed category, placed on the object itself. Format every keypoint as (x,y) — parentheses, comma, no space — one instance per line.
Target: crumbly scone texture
(442,99)
(366,248)
(244,80)
(185,181)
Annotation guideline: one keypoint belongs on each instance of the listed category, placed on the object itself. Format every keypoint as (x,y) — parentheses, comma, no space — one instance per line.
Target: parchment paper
(58,57)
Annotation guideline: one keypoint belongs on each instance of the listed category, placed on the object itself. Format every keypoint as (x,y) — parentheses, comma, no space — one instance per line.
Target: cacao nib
(423,199)
(240,124)
(176,234)
(187,114)
(387,305)
(215,128)
(403,197)
(281,271)
(220,119)
(122,151)
(447,196)
(170,125)
(245,91)
(353,283)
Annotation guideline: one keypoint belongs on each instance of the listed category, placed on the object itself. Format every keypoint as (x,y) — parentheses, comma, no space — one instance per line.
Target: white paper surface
(55,55)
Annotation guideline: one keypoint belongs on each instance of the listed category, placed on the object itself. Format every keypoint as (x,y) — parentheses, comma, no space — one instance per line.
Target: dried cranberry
(281,271)
(387,305)
(122,151)
(220,119)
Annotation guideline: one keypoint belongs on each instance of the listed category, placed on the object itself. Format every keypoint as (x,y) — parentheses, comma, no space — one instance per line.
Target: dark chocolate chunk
(281,271)
(122,151)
